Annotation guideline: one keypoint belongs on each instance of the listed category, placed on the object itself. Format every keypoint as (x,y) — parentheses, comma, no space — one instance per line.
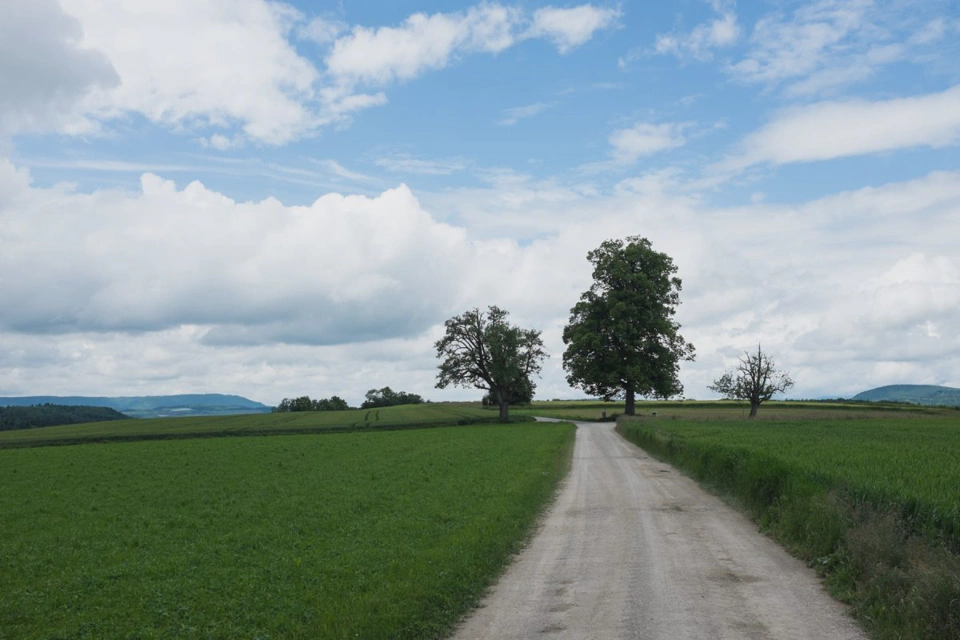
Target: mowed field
(870,497)
(406,416)
(388,534)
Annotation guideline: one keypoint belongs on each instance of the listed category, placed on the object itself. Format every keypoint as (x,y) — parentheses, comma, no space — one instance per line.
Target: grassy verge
(874,504)
(364,535)
(388,418)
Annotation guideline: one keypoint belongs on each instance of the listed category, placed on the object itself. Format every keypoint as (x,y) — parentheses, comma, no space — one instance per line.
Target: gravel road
(634,549)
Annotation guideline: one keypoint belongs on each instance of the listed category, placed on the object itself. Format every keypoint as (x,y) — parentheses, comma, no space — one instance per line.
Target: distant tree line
(305,403)
(387,397)
(622,341)
(375,398)
(50,415)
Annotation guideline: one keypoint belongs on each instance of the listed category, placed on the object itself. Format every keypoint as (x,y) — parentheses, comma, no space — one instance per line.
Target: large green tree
(481,349)
(622,339)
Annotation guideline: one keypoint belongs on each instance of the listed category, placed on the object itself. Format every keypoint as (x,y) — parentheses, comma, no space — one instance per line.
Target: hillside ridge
(925,394)
(152,406)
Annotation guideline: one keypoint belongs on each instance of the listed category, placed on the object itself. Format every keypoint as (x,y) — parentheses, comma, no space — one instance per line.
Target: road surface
(634,549)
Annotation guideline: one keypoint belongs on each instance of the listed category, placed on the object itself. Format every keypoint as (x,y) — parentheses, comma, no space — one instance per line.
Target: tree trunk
(631,408)
(753,409)
(503,401)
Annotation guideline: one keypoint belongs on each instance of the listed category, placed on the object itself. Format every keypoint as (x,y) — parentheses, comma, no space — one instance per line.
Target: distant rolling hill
(203,404)
(925,394)
(49,415)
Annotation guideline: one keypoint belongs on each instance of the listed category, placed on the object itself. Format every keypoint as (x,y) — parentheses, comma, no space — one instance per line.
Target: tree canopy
(481,349)
(304,403)
(622,339)
(521,395)
(387,397)
(755,380)
(48,415)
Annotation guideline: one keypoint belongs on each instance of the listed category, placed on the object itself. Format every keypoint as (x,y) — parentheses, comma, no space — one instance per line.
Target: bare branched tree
(756,379)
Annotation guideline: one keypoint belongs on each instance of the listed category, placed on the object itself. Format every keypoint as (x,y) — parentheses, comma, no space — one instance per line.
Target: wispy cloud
(827,130)
(111,166)
(823,47)
(700,42)
(406,163)
(322,31)
(643,139)
(339,170)
(514,115)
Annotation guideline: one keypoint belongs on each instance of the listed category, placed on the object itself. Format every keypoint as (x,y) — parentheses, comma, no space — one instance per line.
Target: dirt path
(633,549)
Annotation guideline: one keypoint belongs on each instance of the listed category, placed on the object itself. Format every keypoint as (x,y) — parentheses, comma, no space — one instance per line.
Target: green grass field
(871,499)
(406,416)
(718,410)
(389,534)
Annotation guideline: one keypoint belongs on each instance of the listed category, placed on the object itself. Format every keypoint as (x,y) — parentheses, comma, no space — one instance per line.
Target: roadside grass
(391,534)
(399,417)
(873,503)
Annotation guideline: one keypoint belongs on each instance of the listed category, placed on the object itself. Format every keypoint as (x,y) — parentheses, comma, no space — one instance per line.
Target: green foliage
(387,397)
(872,503)
(522,395)
(485,351)
(402,417)
(622,339)
(304,403)
(362,535)
(46,415)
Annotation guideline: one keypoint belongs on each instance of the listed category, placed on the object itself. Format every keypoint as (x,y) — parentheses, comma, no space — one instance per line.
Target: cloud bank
(849,301)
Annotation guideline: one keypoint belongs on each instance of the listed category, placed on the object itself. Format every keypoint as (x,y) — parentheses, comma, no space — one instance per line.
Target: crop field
(390,534)
(873,502)
(716,410)
(415,415)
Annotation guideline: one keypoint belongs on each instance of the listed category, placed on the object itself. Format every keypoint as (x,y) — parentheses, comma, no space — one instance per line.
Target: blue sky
(278,199)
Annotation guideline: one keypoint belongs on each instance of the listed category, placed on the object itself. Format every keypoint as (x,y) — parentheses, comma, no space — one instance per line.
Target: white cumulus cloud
(46,69)
(422,42)
(341,269)
(571,27)
(185,63)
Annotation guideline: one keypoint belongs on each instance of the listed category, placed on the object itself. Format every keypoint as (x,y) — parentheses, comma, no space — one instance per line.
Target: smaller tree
(756,380)
(387,397)
(304,403)
(333,403)
(481,349)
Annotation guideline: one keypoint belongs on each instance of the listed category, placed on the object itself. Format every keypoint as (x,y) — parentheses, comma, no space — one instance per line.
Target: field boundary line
(363,428)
